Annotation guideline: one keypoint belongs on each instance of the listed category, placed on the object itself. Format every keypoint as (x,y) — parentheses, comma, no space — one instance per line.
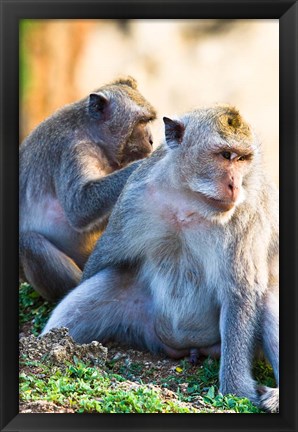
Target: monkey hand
(269,399)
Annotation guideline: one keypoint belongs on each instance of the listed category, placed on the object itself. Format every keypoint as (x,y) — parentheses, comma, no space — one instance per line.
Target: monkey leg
(212,350)
(46,268)
(270,338)
(111,305)
(114,305)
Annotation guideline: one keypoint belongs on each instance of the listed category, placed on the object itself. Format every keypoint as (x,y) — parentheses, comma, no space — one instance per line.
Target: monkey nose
(233,191)
(150,139)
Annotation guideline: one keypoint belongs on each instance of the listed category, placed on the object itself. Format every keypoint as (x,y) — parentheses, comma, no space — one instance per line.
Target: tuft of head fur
(129,81)
(125,87)
(232,125)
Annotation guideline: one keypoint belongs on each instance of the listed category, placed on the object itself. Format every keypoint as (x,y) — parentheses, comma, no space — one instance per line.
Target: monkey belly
(187,310)
(185,294)
(188,331)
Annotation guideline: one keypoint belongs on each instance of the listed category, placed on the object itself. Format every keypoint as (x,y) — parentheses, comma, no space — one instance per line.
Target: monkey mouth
(133,156)
(219,204)
(222,204)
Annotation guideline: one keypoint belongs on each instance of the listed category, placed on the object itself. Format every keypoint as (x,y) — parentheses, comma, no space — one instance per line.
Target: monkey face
(218,149)
(219,177)
(119,117)
(138,146)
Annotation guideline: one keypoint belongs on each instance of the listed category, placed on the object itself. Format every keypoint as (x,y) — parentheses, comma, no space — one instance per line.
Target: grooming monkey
(73,167)
(188,264)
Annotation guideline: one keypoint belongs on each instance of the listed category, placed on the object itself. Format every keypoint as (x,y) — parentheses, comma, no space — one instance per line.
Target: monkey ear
(174,131)
(97,104)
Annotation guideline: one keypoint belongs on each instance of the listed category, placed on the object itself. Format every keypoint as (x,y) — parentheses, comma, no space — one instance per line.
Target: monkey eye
(246,157)
(226,155)
(145,120)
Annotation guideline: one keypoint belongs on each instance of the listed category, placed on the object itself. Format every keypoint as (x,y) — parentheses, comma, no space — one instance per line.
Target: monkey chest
(184,268)
(191,254)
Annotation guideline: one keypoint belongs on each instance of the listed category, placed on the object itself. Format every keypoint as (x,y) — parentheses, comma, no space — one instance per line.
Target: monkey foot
(194,354)
(212,351)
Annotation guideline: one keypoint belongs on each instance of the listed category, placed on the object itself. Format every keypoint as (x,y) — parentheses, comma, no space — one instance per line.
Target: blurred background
(179,65)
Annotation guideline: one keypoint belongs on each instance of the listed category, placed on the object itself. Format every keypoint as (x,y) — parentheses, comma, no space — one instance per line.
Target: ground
(58,375)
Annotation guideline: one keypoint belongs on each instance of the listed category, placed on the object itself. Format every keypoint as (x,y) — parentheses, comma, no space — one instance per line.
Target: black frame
(14,10)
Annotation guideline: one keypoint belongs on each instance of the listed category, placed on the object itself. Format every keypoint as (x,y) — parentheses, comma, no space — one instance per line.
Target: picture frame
(11,13)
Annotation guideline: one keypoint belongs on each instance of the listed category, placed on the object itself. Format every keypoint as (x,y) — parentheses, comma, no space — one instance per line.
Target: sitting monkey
(189,260)
(73,167)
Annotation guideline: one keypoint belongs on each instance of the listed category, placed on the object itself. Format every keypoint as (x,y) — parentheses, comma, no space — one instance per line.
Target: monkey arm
(104,191)
(238,323)
(125,239)
(117,246)
(86,193)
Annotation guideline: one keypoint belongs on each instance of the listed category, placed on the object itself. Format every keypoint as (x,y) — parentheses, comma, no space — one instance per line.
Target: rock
(58,347)
(42,406)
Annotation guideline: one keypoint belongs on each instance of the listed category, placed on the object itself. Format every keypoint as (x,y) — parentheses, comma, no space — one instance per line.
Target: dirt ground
(57,347)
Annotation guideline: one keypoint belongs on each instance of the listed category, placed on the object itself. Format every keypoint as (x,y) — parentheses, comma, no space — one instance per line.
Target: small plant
(33,309)
(230,402)
(264,373)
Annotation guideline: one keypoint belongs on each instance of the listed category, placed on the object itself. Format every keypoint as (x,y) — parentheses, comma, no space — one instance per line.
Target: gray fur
(189,257)
(73,167)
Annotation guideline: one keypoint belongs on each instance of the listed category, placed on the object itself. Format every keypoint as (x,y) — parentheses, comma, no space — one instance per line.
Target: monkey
(73,167)
(188,264)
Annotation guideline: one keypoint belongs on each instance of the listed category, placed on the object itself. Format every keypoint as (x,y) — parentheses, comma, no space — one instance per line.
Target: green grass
(230,402)
(33,309)
(88,389)
(204,382)
(264,373)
